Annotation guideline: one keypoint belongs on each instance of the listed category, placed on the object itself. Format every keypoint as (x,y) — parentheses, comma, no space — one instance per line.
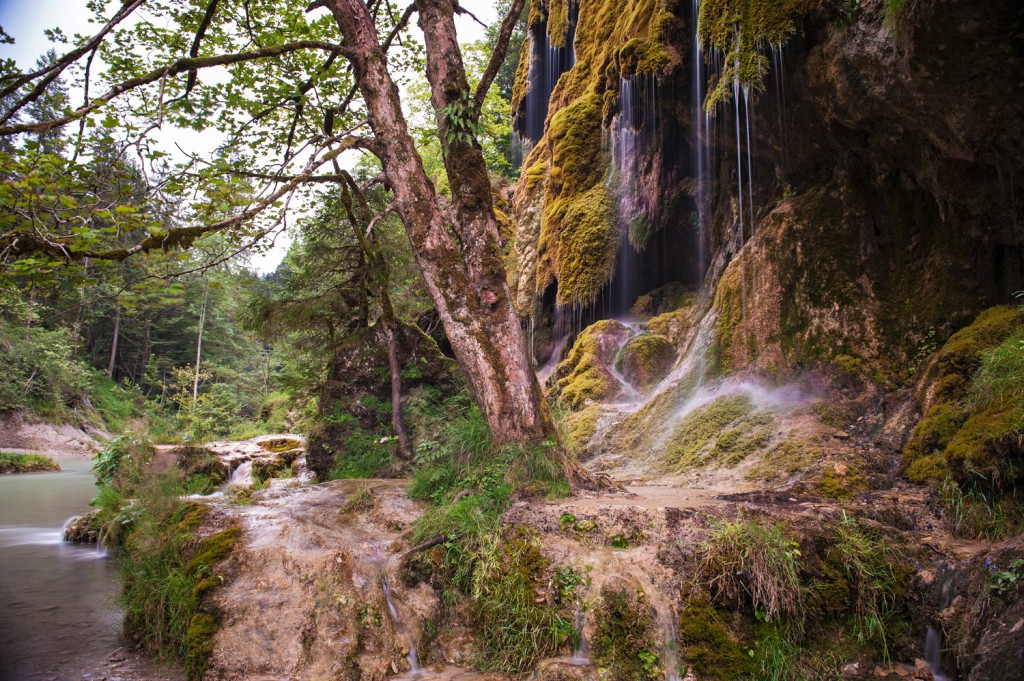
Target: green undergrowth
(470,482)
(26,463)
(768,602)
(166,557)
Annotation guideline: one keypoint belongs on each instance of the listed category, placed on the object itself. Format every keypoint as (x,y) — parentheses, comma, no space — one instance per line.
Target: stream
(57,618)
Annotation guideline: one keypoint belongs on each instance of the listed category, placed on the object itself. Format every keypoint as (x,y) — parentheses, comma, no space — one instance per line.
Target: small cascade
(933,636)
(242,475)
(414,661)
(101,545)
(581,651)
(547,64)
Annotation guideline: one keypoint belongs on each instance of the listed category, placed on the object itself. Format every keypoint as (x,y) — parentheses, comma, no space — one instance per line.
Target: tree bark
(199,345)
(113,344)
(462,267)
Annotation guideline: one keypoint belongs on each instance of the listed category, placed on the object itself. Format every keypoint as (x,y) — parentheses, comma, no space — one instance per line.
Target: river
(57,618)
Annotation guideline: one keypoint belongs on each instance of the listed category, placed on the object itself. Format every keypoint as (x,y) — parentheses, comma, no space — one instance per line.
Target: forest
(571,339)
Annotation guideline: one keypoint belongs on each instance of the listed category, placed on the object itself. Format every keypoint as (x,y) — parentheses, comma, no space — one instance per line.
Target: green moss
(625,636)
(213,550)
(986,447)
(579,428)
(199,645)
(832,485)
(785,458)
(728,305)
(962,352)
(830,413)
(280,444)
(723,432)
(929,439)
(646,359)
(743,30)
(577,243)
(975,441)
(583,376)
(587,250)
(707,645)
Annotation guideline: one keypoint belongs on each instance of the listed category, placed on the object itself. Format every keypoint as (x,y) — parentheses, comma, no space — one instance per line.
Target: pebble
(841,435)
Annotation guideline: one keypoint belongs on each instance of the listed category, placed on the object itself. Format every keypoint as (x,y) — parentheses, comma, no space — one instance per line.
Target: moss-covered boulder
(959,436)
(646,359)
(585,375)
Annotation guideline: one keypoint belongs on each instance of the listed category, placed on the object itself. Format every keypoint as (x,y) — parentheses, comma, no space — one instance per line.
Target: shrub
(755,560)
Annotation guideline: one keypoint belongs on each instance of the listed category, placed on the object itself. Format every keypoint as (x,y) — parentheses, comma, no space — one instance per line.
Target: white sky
(25,21)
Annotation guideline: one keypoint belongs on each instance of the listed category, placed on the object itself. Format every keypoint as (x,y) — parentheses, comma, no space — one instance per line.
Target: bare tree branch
(508,25)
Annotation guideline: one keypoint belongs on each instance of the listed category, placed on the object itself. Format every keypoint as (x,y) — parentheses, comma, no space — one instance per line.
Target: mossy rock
(723,432)
(841,481)
(280,444)
(665,299)
(584,376)
(646,359)
(987,447)
(954,437)
(85,529)
(214,549)
(625,641)
(580,427)
(674,325)
(708,647)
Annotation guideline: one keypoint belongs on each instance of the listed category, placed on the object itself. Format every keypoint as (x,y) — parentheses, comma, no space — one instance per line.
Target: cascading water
(241,476)
(413,659)
(632,138)
(547,64)
(933,636)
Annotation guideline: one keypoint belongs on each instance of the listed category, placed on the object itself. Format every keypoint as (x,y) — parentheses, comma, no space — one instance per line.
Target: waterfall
(633,138)
(547,64)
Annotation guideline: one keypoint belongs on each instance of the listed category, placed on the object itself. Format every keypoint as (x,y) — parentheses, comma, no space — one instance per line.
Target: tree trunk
(463,271)
(387,318)
(113,343)
(199,345)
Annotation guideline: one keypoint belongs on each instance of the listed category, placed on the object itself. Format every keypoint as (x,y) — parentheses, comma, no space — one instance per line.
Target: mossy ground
(625,641)
(721,433)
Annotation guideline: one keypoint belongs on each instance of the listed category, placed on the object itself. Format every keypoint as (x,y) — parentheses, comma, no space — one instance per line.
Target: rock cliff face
(854,189)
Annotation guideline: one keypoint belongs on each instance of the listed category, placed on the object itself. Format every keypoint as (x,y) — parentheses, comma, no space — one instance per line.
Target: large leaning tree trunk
(458,252)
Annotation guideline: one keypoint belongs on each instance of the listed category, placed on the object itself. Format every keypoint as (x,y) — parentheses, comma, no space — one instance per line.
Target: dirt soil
(22,434)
